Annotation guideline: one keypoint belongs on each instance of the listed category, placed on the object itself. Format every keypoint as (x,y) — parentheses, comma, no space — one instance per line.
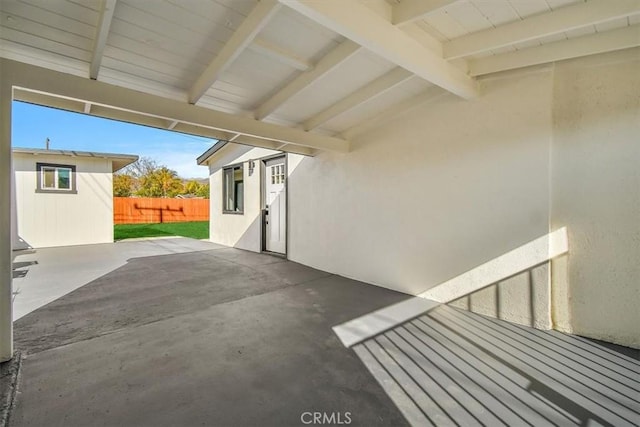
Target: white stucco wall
(46,220)
(453,184)
(596,191)
(238,230)
(441,190)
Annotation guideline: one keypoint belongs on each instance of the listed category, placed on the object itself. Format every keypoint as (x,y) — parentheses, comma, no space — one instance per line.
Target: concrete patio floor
(191,333)
(209,337)
(45,275)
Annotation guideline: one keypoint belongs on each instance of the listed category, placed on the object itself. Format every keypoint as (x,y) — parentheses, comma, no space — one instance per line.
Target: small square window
(53,178)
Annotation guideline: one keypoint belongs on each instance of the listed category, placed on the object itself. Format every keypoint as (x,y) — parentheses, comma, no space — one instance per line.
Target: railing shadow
(19,269)
(453,367)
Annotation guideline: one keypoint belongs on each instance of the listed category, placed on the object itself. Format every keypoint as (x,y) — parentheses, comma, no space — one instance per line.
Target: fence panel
(141,210)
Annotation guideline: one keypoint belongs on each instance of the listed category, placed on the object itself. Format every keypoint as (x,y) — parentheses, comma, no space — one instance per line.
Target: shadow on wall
(83,177)
(55,219)
(104,195)
(251,238)
(523,299)
(453,367)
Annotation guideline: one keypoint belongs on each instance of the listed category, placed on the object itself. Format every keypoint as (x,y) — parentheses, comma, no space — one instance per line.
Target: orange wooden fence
(147,210)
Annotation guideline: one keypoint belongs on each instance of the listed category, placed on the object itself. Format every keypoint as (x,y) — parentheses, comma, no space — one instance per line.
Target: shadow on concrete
(57,271)
(218,337)
(453,367)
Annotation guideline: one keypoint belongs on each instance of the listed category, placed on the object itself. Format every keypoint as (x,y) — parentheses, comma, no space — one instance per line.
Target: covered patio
(193,333)
(427,142)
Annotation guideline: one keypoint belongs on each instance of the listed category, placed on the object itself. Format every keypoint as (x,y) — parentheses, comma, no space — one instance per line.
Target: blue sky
(32,125)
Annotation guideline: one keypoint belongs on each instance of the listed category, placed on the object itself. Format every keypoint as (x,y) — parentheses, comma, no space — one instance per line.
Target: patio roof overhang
(293,75)
(52,88)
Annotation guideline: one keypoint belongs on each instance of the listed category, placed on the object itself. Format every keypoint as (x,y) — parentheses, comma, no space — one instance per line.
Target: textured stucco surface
(452,184)
(595,163)
(435,193)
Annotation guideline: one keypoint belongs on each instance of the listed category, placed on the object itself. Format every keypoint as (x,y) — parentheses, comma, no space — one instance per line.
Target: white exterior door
(275,206)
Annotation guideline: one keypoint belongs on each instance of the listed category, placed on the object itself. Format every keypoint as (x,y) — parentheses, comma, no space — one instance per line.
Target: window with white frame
(54,178)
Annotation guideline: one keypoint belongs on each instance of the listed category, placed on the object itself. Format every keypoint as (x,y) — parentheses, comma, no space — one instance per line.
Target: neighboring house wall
(451,185)
(239,230)
(64,219)
(16,241)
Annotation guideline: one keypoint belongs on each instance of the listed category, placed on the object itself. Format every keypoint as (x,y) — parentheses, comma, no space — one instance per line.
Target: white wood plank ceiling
(331,67)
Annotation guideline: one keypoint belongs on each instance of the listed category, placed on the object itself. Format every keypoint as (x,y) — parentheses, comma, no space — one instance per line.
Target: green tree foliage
(196,189)
(192,187)
(163,182)
(146,178)
(123,185)
(203,191)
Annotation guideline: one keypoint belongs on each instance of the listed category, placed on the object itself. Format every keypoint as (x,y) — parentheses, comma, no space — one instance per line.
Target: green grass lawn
(195,230)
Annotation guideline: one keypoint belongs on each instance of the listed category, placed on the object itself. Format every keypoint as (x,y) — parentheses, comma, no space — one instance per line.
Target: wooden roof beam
(538,26)
(102,33)
(412,10)
(246,32)
(622,38)
(363,26)
(339,54)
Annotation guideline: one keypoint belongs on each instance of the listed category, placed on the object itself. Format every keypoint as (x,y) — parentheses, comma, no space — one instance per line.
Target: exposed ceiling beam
(274,145)
(102,33)
(394,111)
(172,124)
(411,10)
(339,54)
(245,140)
(280,54)
(48,100)
(246,32)
(203,131)
(362,25)
(622,38)
(87,108)
(538,26)
(368,91)
(136,104)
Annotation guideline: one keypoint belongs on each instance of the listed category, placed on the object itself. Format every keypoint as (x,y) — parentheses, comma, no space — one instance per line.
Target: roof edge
(202,158)
(75,153)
